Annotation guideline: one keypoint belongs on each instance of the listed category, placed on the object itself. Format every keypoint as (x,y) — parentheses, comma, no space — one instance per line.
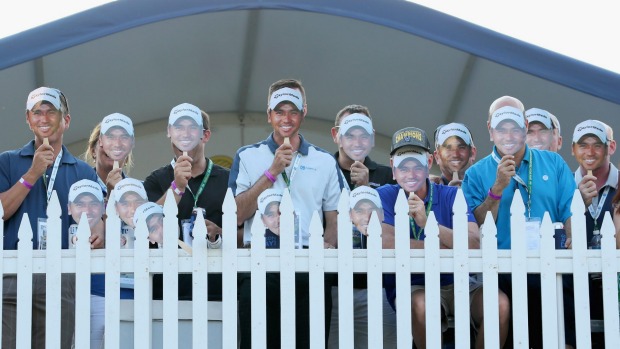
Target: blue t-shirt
(13,165)
(443,200)
(553,187)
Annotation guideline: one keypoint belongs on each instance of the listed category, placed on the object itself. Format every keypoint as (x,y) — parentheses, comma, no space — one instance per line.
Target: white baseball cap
(185,110)
(126,185)
(144,211)
(542,116)
(355,120)
(85,186)
(507,113)
(267,197)
(48,94)
(117,120)
(407,152)
(593,127)
(286,94)
(364,193)
(453,129)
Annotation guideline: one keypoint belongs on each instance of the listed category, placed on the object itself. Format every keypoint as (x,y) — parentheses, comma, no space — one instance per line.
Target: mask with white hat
(117,136)
(185,127)
(356,136)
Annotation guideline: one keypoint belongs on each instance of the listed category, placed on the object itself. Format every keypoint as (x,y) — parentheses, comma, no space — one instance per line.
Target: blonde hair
(93,142)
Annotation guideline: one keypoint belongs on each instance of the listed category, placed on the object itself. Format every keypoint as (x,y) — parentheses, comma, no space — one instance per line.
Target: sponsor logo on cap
(407,136)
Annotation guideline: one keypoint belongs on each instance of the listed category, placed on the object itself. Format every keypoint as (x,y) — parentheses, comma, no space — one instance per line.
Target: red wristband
(269,176)
(25,183)
(493,196)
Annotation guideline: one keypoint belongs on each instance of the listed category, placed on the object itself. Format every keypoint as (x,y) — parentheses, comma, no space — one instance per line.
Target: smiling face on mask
(508,137)
(86,203)
(185,134)
(116,143)
(127,205)
(356,143)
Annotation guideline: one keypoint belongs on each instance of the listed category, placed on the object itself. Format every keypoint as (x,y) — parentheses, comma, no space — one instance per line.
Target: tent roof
(411,65)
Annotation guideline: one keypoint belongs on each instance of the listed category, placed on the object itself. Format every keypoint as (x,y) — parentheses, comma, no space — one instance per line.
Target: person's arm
(13,198)
(617,225)
(182,175)
(331,229)
(446,236)
(388,238)
(246,201)
(569,234)
(505,170)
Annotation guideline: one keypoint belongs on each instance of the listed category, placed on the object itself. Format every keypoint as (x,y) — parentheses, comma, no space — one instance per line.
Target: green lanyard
(285,177)
(519,180)
(429,204)
(202,184)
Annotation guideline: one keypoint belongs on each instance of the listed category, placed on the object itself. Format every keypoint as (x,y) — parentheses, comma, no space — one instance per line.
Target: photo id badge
(42,233)
(187,225)
(73,228)
(532,231)
(127,237)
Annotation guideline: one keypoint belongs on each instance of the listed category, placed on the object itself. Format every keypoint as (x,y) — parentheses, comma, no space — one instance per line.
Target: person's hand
(114,176)
(42,160)
(455,182)
(182,171)
(212,230)
(97,239)
(505,170)
(417,210)
(587,188)
(434,178)
(282,159)
(569,243)
(359,174)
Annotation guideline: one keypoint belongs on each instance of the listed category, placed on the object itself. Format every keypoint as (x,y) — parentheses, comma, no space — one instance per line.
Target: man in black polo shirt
(354,135)
(196,182)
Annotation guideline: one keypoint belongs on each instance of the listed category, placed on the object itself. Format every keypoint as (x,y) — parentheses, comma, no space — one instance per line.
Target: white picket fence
(316,261)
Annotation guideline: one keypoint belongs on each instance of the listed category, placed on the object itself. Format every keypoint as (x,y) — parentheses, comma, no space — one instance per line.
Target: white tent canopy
(410,65)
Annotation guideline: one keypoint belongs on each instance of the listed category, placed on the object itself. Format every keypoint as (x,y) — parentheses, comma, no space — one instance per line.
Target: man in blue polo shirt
(542,178)
(410,163)
(286,160)
(28,176)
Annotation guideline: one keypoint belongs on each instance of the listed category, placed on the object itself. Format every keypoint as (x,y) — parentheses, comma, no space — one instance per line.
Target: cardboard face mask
(356,136)
(185,134)
(117,144)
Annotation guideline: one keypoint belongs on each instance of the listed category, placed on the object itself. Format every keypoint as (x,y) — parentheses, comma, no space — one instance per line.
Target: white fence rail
(316,261)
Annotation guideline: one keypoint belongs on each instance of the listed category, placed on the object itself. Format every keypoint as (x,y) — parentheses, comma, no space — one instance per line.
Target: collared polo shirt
(316,180)
(553,187)
(13,165)
(612,183)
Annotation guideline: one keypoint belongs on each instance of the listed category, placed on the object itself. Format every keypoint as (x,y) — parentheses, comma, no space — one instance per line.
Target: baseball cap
(593,127)
(185,110)
(444,132)
(544,117)
(286,94)
(410,136)
(126,185)
(407,152)
(117,120)
(144,211)
(85,186)
(364,193)
(507,113)
(355,120)
(48,94)
(268,196)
